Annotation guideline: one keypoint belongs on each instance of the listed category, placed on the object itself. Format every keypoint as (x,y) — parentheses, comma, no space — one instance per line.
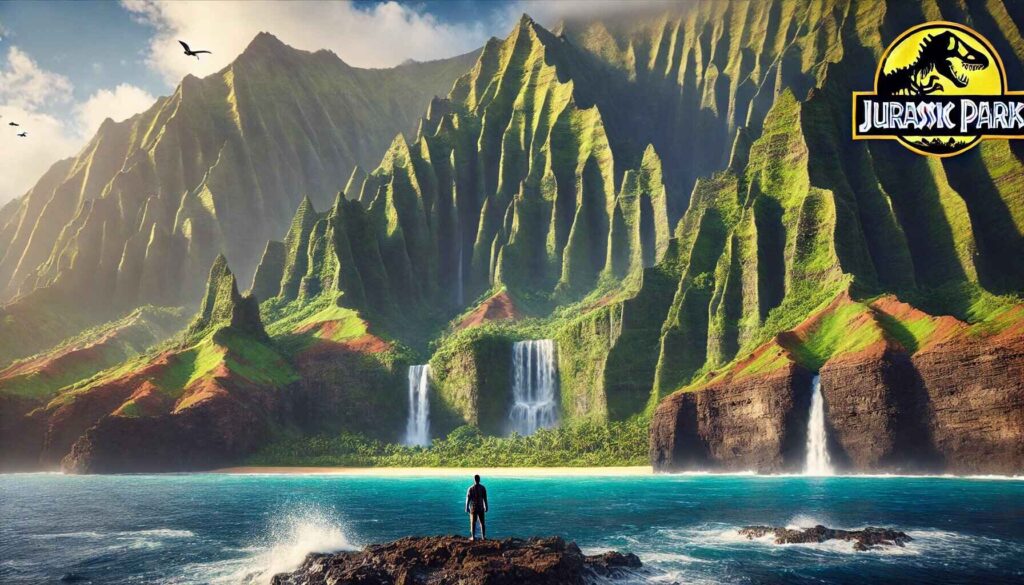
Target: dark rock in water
(74,578)
(440,560)
(865,539)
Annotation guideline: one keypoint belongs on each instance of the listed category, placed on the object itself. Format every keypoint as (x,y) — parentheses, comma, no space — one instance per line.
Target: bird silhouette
(23,134)
(190,52)
(13,124)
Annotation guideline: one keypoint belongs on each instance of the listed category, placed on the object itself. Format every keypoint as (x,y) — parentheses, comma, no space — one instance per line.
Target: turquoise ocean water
(208,528)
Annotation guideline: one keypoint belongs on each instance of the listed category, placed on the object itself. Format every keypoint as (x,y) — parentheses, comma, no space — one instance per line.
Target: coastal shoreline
(624,471)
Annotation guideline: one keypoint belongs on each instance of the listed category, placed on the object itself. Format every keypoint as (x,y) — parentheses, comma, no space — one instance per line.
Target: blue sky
(95,44)
(66,66)
(99,44)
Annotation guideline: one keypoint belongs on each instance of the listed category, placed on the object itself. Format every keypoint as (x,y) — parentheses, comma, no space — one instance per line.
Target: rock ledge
(438,560)
(865,539)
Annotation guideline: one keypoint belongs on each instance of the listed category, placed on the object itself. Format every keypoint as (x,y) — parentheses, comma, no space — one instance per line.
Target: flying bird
(13,124)
(23,134)
(190,52)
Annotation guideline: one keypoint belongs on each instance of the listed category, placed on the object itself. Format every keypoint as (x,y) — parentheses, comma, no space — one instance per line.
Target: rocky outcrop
(754,423)
(864,539)
(224,304)
(453,560)
(214,432)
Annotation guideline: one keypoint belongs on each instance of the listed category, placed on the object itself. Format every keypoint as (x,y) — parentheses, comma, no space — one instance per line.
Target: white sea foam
(681,542)
(122,534)
(807,521)
(82,534)
(159,533)
(287,542)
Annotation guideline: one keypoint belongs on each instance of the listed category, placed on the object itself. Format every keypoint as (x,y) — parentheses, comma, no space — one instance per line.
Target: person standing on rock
(476,507)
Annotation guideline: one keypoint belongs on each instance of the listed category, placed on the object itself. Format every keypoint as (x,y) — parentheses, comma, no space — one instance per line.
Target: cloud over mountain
(377,35)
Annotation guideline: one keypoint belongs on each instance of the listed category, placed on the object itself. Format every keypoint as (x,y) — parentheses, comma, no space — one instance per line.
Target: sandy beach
(445,471)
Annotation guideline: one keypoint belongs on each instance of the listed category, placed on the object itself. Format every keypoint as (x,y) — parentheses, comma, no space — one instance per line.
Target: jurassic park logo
(940,89)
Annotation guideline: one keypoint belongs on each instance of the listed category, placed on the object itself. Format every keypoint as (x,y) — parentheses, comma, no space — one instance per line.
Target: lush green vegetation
(576,444)
(847,329)
(90,352)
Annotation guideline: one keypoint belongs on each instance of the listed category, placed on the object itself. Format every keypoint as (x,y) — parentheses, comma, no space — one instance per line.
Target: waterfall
(534,385)
(417,429)
(817,462)
(459,295)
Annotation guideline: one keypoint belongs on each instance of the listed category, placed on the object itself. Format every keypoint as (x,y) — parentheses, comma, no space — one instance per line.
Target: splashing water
(817,462)
(417,429)
(534,386)
(291,538)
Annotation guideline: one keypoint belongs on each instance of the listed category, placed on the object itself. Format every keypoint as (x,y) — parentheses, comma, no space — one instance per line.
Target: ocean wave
(157,533)
(83,534)
(286,543)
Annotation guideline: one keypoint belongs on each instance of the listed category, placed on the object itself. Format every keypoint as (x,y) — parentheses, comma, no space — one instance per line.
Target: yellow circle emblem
(945,81)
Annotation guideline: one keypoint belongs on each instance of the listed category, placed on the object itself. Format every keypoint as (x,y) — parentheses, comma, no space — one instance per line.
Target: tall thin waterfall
(534,386)
(817,462)
(417,429)
(458,277)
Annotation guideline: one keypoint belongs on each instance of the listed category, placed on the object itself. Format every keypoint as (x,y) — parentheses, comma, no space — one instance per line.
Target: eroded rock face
(757,423)
(212,433)
(440,560)
(865,539)
(952,407)
(957,407)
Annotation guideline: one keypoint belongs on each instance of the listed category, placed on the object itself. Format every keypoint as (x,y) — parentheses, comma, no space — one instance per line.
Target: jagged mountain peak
(227,159)
(267,42)
(268,50)
(266,39)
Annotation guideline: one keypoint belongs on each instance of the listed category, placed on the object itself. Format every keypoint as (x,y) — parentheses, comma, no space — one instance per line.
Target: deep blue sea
(241,529)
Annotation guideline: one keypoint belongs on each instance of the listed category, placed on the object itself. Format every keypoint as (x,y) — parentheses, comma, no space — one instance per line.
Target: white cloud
(24,160)
(32,97)
(123,102)
(377,35)
(549,13)
(24,85)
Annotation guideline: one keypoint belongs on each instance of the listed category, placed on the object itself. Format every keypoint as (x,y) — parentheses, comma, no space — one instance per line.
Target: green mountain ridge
(672,197)
(217,167)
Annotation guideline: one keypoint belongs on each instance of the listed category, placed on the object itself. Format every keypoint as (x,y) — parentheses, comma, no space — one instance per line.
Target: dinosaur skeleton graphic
(945,55)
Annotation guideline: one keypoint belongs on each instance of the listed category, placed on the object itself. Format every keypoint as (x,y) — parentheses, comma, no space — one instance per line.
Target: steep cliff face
(755,423)
(217,167)
(904,392)
(227,423)
(955,404)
